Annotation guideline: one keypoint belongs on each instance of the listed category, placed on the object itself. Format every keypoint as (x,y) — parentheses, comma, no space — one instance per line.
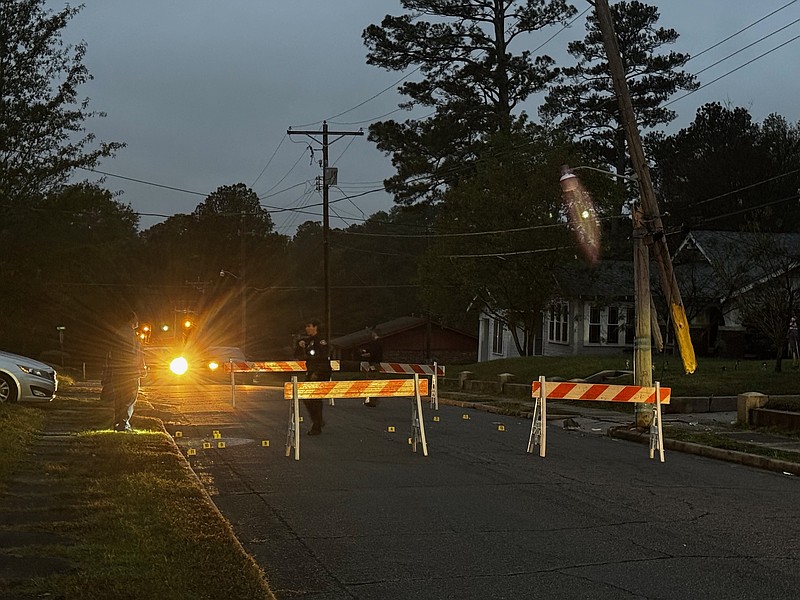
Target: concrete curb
(226,524)
(742,458)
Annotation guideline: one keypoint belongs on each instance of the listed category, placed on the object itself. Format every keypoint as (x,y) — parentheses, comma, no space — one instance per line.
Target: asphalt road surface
(362,516)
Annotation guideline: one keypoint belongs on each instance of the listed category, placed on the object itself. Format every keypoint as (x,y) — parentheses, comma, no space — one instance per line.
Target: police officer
(314,350)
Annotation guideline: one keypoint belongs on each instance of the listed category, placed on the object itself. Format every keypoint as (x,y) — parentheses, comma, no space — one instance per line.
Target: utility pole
(649,228)
(328,179)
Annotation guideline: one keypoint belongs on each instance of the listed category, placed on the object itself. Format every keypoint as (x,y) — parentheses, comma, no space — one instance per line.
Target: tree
(724,171)
(43,138)
(765,283)
(472,81)
(583,102)
(70,262)
(500,234)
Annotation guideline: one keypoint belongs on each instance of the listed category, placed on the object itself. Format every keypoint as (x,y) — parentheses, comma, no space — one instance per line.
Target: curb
(742,458)
(623,433)
(226,524)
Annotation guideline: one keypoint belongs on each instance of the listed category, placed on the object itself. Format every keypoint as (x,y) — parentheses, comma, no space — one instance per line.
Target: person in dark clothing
(126,367)
(313,348)
(371,352)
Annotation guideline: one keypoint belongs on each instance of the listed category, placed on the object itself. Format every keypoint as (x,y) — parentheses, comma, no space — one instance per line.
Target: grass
(717,440)
(138,522)
(713,377)
(19,424)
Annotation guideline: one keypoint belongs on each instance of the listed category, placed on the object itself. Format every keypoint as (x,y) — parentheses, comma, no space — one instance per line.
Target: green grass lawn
(129,515)
(713,377)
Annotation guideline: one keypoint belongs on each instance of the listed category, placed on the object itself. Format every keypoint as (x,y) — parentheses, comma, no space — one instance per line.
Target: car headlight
(213,365)
(179,365)
(35,371)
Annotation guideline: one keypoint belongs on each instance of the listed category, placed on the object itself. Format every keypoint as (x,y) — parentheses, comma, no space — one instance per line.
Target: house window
(630,325)
(558,323)
(497,337)
(595,325)
(613,325)
(612,337)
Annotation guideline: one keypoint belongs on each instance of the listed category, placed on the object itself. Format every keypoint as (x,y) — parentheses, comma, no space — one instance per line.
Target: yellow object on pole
(682,336)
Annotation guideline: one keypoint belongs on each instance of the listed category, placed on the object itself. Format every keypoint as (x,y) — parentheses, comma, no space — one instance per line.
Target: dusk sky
(204,91)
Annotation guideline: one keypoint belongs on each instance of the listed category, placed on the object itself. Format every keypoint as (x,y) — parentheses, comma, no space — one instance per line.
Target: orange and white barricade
(272,366)
(434,371)
(565,390)
(375,388)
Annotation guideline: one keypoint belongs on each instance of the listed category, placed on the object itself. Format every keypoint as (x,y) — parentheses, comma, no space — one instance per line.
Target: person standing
(313,348)
(126,361)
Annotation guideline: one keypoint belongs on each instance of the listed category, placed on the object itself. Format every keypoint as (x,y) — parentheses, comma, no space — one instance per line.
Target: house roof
(606,279)
(386,329)
(733,262)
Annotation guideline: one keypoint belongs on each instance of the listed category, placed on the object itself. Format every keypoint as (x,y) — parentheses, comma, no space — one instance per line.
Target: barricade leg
(418,401)
(656,431)
(435,387)
(536,427)
(539,422)
(293,432)
(290,430)
(233,384)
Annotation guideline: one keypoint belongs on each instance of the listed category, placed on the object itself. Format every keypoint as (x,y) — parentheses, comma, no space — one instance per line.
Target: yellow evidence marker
(216,434)
(435,419)
(265,443)
(391,429)
(465,417)
(220,444)
(501,427)
(191,452)
(178,434)
(206,445)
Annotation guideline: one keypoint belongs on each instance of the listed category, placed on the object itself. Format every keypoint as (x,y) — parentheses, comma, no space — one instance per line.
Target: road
(362,516)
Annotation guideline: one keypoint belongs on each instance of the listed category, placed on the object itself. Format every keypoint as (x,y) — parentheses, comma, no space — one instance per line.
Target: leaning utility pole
(328,179)
(648,230)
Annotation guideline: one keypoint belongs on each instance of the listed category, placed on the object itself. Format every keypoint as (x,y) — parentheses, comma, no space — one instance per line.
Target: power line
(733,35)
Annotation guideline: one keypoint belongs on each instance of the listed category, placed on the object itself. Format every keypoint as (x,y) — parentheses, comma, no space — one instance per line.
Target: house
(414,340)
(721,271)
(593,311)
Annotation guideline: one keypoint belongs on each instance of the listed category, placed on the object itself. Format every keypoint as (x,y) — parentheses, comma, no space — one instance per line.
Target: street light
(224,273)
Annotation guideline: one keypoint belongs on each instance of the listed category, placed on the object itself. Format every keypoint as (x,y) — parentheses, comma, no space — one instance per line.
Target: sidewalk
(619,425)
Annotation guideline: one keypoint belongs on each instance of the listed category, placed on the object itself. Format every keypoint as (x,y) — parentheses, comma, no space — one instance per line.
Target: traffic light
(144,332)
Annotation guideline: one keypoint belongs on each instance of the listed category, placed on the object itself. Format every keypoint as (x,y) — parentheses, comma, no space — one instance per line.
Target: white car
(22,378)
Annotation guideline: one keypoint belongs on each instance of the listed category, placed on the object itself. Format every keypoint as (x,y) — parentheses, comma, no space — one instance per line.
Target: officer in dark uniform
(313,348)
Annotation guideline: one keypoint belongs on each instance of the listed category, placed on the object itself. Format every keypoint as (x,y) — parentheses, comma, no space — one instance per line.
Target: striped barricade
(375,388)
(273,366)
(434,371)
(566,390)
(269,366)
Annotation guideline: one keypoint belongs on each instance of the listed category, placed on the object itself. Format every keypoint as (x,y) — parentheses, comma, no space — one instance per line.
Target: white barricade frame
(434,370)
(567,390)
(362,388)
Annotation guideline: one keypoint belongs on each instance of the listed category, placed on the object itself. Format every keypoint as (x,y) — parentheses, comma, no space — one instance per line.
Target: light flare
(581,215)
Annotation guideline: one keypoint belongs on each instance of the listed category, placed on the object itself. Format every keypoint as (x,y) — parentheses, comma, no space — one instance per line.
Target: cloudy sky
(203,91)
